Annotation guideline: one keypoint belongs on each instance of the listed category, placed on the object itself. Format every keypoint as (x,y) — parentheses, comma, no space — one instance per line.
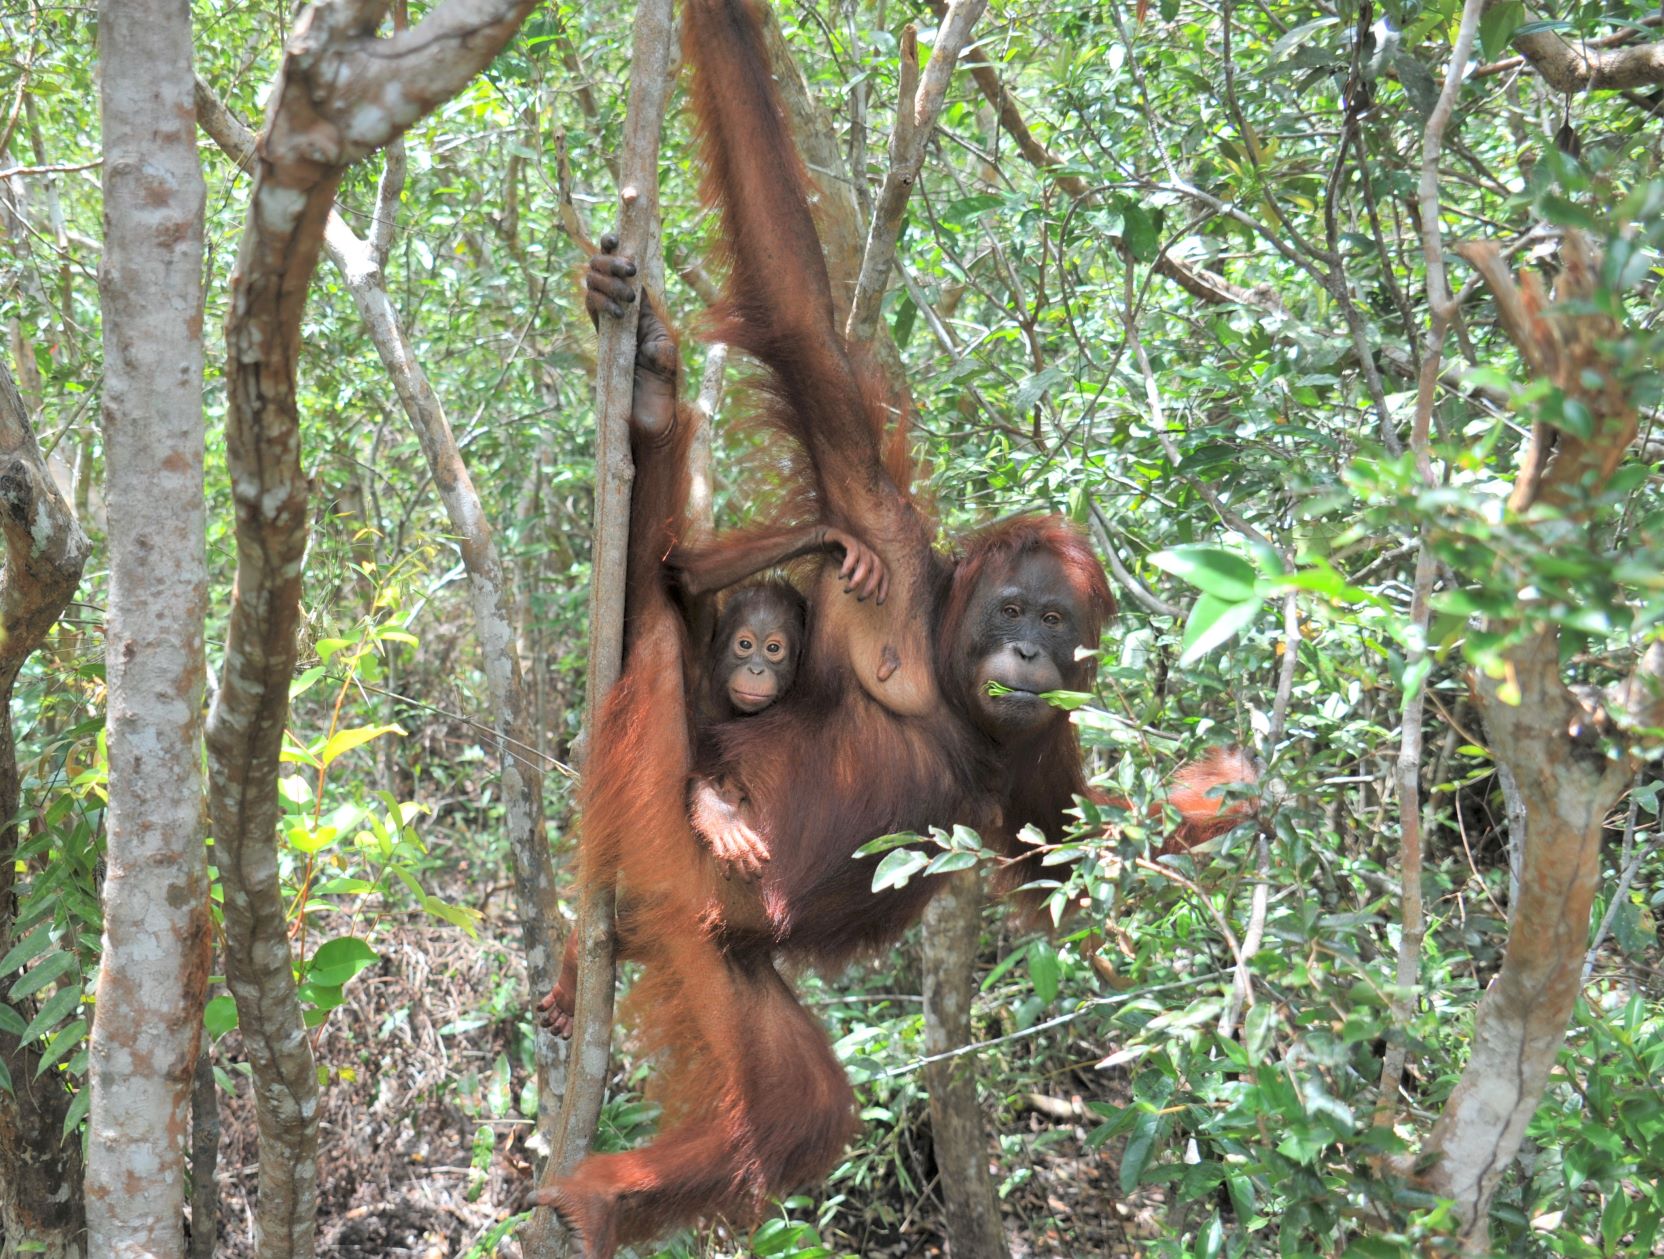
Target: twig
(62,168)
(1632,857)
(1408,769)
(1097,1003)
(916,115)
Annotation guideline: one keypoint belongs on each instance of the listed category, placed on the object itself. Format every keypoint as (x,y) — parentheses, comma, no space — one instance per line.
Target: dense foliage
(1239,453)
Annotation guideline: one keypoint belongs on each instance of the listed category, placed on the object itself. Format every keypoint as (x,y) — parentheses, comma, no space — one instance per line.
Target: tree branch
(915,122)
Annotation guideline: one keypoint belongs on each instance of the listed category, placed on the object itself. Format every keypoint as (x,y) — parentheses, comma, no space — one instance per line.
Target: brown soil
(416,1062)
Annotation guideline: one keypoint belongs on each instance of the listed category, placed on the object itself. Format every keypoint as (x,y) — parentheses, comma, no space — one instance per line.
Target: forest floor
(423,1148)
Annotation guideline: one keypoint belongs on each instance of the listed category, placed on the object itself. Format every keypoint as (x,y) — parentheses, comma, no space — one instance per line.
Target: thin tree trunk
(952,925)
(1554,743)
(534,875)
(650,63)
(522,776)
(154,975)
(40,1169)
(342,94)
(205,1157)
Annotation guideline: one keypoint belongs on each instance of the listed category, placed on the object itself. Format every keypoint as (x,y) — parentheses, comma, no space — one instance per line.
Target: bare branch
(907,148)
(1579,67)
(1407,768)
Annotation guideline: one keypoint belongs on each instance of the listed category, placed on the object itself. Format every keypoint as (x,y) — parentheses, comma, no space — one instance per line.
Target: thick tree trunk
(952,925)
(40,1170)
(1567,789)
(154,974)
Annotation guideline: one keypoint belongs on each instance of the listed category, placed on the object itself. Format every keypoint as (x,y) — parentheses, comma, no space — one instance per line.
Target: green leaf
(77,1111)
(1139,231)
(60,1004)
(1212,622)
(11,1022)
(1498,26)
(1140,1146)
(886,842)
(219,1016)
(897,868)
(305,839)
(338,960)
(327,647)
(950,862)
(304,683)
(6,1079)
(343,741)
(1045,970)
(1211,569)
(457,915)
(62,1043)
(27,949)
(1035,387)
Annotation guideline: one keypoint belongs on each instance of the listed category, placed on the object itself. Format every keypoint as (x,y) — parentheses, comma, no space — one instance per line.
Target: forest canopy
(1333,328)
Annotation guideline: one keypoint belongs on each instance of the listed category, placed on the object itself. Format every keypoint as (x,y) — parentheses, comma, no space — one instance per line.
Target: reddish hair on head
(1005,542)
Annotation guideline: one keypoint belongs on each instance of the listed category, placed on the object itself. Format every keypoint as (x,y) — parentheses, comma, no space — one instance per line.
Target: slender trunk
(154,976)
(952,925)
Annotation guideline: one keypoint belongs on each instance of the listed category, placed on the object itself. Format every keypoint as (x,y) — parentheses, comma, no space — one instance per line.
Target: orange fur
(755,1102)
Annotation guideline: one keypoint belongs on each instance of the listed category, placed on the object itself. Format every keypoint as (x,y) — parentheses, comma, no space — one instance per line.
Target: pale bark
(40,1171)
(952,924)
(342,94)
(154,975)
(1556,746)
(650,74)
(1577,65)
(916,115)
(1407,766)
(522,777)
(359,262)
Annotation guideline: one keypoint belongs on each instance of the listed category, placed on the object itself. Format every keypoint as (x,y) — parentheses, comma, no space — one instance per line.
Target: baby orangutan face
(758,643)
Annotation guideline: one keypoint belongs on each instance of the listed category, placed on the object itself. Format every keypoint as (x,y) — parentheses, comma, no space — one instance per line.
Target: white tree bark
(156,945)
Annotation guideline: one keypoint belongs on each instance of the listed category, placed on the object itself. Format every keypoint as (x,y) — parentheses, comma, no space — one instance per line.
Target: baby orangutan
(753,660)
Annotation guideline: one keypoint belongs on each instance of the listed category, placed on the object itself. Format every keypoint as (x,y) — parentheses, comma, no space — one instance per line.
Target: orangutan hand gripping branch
(890,723)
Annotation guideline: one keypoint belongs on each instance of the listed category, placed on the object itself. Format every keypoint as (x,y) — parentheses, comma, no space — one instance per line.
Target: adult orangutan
(890,725)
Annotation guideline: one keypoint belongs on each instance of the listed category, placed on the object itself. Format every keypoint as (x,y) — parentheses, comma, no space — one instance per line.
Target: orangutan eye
(773,649)
(744,644)
(1011,611)
(1053,619)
